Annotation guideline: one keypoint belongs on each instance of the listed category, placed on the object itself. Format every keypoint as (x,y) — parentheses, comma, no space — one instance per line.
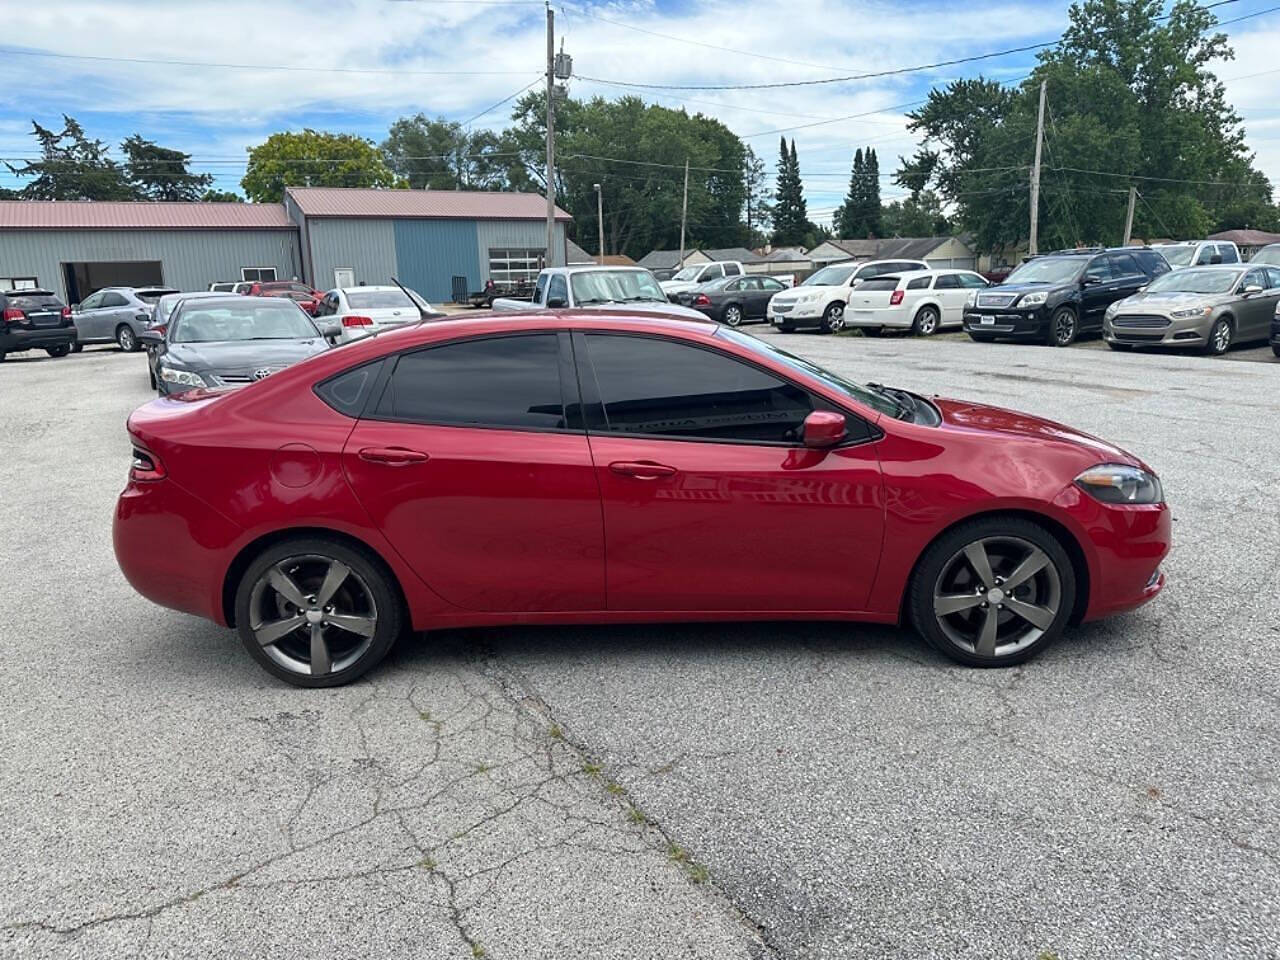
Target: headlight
(1033,299)
(1118,483)
(808,298)
(184,377)
(1190,313)
(971,300)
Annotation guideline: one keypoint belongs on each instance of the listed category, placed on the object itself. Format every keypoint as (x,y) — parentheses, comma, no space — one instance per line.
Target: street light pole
(551,136)
(600,218)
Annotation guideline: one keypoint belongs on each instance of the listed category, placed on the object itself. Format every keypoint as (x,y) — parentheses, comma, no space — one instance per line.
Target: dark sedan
(227,341)
(733,300)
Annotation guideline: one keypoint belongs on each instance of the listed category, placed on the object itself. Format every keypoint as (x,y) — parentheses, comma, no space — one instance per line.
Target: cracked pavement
(849,793)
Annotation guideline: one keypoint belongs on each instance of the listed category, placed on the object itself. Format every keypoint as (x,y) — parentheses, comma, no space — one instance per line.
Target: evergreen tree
(72,167)
(159,173)
(871,195)
(848,214)
(790,215)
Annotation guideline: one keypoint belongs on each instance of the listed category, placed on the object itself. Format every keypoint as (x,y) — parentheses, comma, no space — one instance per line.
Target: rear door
(711,501)
(474,463)
(951,295)
(1256,310)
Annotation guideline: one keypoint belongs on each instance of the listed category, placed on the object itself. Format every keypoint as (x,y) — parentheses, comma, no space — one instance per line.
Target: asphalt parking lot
(794,791)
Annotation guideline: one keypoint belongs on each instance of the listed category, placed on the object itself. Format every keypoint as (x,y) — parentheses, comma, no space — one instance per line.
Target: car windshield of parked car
(688,273)
(867,396)
(1195,281)
(834,276)
(1048,270)
(1178,256)
(261,320)
(379,300)
(1269,255)
(615,286)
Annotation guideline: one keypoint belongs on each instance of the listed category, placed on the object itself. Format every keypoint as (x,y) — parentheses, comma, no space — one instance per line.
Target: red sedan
(569,468)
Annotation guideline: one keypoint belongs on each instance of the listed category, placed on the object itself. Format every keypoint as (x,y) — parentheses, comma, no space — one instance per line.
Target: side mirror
(1251,289)
(152,338)
(556,303)
(330,329)
(823,428)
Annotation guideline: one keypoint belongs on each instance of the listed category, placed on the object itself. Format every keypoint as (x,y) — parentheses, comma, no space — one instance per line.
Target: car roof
(368,286)
(197,294)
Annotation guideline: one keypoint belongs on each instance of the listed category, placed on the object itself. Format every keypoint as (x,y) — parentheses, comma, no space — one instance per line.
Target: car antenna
(423,315)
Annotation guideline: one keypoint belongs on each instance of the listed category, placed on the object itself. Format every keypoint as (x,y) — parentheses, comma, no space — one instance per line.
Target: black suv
(1055,297)
(32,319)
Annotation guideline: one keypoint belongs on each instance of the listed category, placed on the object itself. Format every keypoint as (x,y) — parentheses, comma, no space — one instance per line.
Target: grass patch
(614,788)
(556,732)
(426,863)
(477,950)
(591,768)
(697,873)
(636,815)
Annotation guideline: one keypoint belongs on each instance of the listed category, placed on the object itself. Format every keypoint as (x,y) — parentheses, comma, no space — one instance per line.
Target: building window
(19,283)
(511,266)
(258,274)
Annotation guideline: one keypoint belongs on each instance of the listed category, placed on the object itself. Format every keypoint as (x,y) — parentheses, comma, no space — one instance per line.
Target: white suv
(1199,253)
(821,300)
(923,301)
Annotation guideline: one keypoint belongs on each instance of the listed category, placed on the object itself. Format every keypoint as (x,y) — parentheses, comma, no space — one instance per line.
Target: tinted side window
(1099,269)
(971,281)
(1228,253)
(112,300)
(714,272)
(1254,278)
(540,289)
(661,388)
(922,283)
(948,282)
(1273,277)
(558,289)
(496,382)
(732,270)
(348,391)
(1206,255)
(1123,265)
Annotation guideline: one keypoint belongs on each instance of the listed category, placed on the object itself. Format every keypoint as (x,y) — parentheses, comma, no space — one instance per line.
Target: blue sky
(367,62)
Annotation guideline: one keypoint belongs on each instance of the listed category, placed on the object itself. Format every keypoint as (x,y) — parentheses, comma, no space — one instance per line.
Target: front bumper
(14,340)
(1011,322)
(1155,330)
(795,313)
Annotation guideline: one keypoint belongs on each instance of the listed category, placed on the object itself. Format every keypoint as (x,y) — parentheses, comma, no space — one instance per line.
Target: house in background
(576,257)
(937,252)
(1249,241)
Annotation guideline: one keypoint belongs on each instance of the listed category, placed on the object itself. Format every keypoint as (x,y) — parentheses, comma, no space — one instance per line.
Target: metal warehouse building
(433,241)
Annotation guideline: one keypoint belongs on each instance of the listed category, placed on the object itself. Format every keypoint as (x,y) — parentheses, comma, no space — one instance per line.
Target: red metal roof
(445,204)
(110,215)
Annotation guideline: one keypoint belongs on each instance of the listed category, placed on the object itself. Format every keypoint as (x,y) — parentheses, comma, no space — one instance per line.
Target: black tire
(786,328)
(1220,337)
(1122,347)
(126,339)
(1002,540)
(927,322)
(1064,326)
(369,588)
(61,350)
(3,355)
(77,347)
(832,318)
(1274,349)
(731,315)
(151,375)
(871,331)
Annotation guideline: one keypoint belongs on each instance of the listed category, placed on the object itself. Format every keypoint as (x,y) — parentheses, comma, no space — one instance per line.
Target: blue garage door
(430,253)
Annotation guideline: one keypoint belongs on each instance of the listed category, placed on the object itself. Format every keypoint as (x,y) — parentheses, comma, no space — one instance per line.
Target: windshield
(833,276)
(615,286)
(1269,254)
(1195,281)
(1178,256)
(1048,270)
(865,395)
(688,273)
(379,300)
(260,320)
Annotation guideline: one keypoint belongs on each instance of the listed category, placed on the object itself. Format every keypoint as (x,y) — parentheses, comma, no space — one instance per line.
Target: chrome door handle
(641,469)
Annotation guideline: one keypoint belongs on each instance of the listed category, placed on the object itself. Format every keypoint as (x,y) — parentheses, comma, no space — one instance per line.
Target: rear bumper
(14,340)
(892,317)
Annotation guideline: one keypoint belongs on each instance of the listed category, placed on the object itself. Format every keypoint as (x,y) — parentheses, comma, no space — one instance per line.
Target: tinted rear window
(151,296)
(36,302)
(879,283)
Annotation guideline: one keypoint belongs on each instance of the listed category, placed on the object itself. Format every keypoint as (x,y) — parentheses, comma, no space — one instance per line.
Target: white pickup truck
(598,288)
(698,274)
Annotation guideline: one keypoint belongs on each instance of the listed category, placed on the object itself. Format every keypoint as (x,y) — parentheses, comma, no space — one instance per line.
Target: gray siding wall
(527,234)
(190,259)
(366,246)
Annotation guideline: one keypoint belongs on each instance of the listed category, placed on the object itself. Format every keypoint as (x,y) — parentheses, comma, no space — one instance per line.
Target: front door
(92,319)
(711,502)
(1098,293)
(472,471)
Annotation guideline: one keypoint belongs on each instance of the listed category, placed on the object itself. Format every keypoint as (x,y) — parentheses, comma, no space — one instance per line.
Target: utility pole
(551,135)
(1128,220)
(600,217)
(1035,178)
(684,213)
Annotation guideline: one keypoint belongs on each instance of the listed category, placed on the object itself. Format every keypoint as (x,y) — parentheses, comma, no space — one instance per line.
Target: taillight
(161,329)
(145,467)
(896,298)
(354,321)
(13,315)
(66,313)
(702,300)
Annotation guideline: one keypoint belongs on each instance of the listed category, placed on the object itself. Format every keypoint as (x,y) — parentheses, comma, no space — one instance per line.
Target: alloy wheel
(1064,327)
(125,338)
(1220,337)
(927,322)
(312,615)
(997,595)
(833,319)
(732,316)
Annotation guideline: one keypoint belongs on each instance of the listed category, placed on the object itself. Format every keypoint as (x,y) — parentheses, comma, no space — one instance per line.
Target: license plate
(986,320)
(862,313)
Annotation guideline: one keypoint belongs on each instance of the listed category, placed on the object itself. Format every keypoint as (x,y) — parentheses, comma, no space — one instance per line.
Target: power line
(471,120)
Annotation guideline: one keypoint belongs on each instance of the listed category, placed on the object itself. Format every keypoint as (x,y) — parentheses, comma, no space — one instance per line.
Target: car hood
(235,355)
(1011,424)
(677,286)
(794,293)
(1021,288)
(1174,300)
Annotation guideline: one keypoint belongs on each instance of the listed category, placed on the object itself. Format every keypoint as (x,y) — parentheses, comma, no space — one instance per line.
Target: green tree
(1132,99)
(790,214)
(846,219)
(441,155)
(313,158)
(759,210)
(871,194)
(72,167)
(918,216)
(221,196)
(158,173)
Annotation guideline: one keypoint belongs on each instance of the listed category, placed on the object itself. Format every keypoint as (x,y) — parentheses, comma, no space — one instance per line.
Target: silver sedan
(1209,308)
